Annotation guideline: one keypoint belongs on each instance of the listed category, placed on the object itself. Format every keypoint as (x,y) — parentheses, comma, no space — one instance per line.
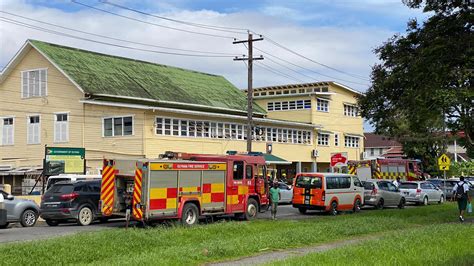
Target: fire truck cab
(185,187)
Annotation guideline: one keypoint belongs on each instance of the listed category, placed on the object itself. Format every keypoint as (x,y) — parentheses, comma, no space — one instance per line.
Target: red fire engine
(406,169)
(184,187)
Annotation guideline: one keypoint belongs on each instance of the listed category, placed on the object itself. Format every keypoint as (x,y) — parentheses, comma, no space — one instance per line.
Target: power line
(314,61)
(205,26)
(19,23)
(116,39)
(277,72)
(307,69)
(150,23)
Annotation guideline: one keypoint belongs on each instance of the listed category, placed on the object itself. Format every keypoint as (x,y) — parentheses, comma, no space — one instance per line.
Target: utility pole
(249,60)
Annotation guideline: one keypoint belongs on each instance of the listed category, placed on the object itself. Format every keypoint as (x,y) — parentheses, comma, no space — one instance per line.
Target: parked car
(328,192)
(286,193)
(19,210)
(421,192)
(72,201)
(382,193)
(446,187)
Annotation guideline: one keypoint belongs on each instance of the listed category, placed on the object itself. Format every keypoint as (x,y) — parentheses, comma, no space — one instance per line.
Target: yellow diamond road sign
(444,162)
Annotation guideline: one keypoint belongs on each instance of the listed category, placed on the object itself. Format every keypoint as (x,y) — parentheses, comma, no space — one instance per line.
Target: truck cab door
(261,184)
(236,187)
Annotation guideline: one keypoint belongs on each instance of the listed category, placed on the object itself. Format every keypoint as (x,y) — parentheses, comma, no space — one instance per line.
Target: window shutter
(24,84)
(42,82)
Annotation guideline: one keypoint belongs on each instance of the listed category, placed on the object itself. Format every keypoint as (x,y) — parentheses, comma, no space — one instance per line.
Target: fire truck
(184,187)
(381,168)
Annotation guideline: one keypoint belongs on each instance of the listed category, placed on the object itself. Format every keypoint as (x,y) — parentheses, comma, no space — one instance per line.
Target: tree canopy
(423,76)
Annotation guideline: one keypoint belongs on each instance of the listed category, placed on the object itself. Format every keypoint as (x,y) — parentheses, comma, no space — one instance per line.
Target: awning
(272,159)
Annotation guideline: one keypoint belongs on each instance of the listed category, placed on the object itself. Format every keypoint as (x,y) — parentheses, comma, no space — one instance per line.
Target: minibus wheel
(302,210)
(333,208)
(357,205)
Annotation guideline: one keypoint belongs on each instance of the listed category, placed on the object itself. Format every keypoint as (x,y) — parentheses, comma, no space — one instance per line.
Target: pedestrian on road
(460,191)
(275,196)
(396,182)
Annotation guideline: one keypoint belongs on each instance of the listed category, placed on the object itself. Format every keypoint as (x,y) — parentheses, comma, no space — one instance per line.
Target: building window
(61,127)
(220,130)
(33,83)
(351,110)
(34,130)
(323,139)
(289,105)
(123,126)
(336,139)
(7,131)
(322,105)
(351,142)
(372,151)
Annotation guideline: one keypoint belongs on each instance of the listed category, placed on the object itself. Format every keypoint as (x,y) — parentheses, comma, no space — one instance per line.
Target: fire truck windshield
(309,181)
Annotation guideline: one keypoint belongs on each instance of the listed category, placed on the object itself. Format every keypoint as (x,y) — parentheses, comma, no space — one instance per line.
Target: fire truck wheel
(252,209)
(190,215)
(85,216)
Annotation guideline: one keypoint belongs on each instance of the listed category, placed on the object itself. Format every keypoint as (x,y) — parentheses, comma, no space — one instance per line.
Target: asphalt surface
(16,233)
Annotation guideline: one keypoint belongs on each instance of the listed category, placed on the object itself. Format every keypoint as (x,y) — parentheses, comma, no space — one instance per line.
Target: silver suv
(421,192)
(20,210)
(382,193)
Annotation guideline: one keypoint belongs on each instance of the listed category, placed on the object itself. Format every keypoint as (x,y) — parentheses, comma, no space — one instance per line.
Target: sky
(338,37)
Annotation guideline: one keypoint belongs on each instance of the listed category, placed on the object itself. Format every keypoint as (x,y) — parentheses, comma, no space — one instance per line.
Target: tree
(424,79)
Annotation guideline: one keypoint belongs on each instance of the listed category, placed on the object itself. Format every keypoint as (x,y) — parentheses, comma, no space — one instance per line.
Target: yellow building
(118,107)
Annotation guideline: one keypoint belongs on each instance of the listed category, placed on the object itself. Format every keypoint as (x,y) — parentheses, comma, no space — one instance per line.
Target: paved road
(42,231)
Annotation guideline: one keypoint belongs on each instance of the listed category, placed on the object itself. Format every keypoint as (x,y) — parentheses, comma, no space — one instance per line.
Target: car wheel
(4,226)
(380,204)
(28,218)
(425,201)
(302,210)
(190,215)
(441,200)
(401,205)
(251,211)
(357,206)
(52,222)
(85,216)
(333,210)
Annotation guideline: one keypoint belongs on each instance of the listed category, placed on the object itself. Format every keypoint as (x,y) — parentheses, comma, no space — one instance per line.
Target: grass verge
(446,244)
(219,241)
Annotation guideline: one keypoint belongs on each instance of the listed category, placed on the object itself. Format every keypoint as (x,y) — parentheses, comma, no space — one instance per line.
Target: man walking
(275,196)
(460,191)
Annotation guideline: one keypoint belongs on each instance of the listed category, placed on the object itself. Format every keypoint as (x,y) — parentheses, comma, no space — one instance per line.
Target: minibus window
(309,181)
(331,182)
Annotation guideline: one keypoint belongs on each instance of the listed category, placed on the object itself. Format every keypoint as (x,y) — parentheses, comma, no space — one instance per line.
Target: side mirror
(10,197)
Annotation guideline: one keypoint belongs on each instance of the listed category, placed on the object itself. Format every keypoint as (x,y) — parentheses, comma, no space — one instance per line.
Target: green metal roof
(272,159)
(99,73)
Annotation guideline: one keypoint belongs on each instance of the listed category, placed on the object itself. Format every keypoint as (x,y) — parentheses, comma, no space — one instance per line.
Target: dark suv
(71,201)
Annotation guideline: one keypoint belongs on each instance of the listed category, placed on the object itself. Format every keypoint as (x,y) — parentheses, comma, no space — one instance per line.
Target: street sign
(444,162)
(64,160)
(339,159)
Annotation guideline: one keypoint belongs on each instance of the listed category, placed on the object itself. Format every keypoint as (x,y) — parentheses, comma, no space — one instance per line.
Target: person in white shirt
(460,191)
(396,182)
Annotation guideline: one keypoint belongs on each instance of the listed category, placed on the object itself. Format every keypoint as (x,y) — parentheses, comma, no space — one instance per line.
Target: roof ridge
(120,57)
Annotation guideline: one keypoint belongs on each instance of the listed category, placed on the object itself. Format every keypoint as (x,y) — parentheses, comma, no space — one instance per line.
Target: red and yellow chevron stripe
(352,169)
(137,194)
(107,188)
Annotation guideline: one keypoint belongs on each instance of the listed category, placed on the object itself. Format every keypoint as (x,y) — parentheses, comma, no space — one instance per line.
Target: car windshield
(309,181)
(61,189)
(409,185)
(369,185)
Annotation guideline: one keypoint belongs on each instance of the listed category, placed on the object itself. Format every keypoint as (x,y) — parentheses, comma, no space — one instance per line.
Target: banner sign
(63,160)
(339,159)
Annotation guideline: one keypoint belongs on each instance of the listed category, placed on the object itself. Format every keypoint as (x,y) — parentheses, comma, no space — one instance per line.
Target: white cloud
(348,48)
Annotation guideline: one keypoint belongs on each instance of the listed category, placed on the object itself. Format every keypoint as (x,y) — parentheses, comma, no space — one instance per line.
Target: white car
(286,193)
(421,192)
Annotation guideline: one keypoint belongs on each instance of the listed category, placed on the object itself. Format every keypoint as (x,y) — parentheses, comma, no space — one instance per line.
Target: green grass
(218,241)
(446,244)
